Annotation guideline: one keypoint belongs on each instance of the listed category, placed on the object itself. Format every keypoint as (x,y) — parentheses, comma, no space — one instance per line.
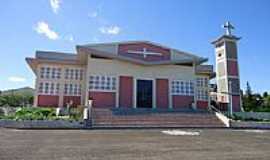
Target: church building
(135,74)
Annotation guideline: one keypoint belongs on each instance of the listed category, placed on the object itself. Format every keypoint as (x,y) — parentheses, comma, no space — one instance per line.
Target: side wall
(49,98)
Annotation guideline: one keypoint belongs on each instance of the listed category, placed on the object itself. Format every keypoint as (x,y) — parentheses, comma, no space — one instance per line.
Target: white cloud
(43,28)
(93,14)
(112,30)
(16,79)
(69,38)
(55,4)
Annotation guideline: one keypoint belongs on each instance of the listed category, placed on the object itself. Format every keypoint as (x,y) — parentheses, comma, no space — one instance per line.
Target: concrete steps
(153,118)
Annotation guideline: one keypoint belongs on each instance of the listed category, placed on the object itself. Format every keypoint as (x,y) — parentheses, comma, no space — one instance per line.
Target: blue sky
(188,25)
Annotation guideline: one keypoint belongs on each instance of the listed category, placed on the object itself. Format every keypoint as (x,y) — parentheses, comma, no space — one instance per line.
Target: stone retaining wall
(251,124)
(254,115)
(42,124)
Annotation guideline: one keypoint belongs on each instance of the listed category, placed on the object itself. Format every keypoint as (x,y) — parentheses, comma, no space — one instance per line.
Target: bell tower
(227,70)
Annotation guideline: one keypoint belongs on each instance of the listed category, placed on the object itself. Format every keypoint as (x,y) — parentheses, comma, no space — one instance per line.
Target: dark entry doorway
(144,93)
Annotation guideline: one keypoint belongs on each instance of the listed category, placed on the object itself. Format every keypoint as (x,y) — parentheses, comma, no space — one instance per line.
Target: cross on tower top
(228,28)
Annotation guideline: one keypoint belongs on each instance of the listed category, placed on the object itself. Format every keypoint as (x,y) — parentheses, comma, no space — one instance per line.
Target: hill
(20,91)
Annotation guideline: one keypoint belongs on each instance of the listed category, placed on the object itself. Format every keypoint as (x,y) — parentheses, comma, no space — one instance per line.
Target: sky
(187,25)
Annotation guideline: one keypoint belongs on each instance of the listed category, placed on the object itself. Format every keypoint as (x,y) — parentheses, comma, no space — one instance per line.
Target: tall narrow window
(40,88)
(67,74)
(52,88)
(66,89)
(46,90)
(76,74)
(42,72)
(47,73)
(57,88)
(53,73)
(58,75)
(71,73)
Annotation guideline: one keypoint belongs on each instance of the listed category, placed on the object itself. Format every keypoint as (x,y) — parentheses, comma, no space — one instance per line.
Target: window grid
(72,89)
(202,94)
(48,88)
(102,83)
(202,82)
(74,74)
(50,73)
(180,87)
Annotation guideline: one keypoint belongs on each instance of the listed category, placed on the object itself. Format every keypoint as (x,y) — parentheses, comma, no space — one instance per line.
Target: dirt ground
(132,144)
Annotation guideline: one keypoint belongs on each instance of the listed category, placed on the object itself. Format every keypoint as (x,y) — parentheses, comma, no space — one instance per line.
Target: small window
(219,55)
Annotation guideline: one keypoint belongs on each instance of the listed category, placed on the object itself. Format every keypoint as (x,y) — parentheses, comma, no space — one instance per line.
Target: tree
(265,94)
(248,90)
(15,100)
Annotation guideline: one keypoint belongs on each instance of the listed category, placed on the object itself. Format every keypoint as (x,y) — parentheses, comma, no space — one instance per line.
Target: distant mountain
(20,91)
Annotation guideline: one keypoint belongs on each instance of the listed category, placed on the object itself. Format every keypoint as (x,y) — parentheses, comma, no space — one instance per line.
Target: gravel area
(134,144)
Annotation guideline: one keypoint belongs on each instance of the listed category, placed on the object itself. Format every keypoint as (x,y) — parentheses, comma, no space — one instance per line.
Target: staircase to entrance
(110,118)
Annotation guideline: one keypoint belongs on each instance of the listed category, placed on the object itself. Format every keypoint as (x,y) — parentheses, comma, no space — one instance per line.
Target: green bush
(38,113)
(28,113)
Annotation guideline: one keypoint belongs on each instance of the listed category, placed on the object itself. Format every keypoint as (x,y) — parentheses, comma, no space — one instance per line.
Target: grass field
(133,144)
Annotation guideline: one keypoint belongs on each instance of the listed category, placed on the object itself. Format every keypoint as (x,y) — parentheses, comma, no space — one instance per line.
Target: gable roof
(50,55)
(110,50)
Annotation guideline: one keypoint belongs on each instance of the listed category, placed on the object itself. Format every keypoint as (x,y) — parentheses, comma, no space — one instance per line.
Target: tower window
(219,54)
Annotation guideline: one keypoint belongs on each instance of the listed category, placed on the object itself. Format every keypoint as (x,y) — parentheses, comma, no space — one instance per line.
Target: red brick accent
(162,95)
(232,68)
(48,101)
(223,106)
(236,103)
(182,101)
(123,48)
(125,91)
(75,99)
(202,104)
(103,99)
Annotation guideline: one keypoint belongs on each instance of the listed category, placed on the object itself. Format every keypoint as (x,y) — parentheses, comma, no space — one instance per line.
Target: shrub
(28,113)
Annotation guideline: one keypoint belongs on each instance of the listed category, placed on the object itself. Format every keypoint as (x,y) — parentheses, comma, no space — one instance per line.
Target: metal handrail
(215,109)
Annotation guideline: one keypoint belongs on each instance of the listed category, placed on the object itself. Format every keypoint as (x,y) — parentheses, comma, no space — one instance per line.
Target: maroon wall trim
(236,103)
(162,93)
(48,101)
(202,104)
(232,68)
(126,92)
(179,101)
(103,99)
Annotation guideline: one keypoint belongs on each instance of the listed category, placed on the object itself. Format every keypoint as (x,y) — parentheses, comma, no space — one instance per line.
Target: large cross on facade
(144,52)
(228,28)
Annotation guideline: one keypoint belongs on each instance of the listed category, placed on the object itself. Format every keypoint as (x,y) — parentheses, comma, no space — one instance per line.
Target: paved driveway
(132,144)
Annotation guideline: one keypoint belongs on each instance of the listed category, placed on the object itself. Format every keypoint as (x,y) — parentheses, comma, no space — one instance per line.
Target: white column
(170,93)
(86,91)
(61,94)
(61,82)
(134,92)
(154,94)
(117,92)
(195,86)
(36,90)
